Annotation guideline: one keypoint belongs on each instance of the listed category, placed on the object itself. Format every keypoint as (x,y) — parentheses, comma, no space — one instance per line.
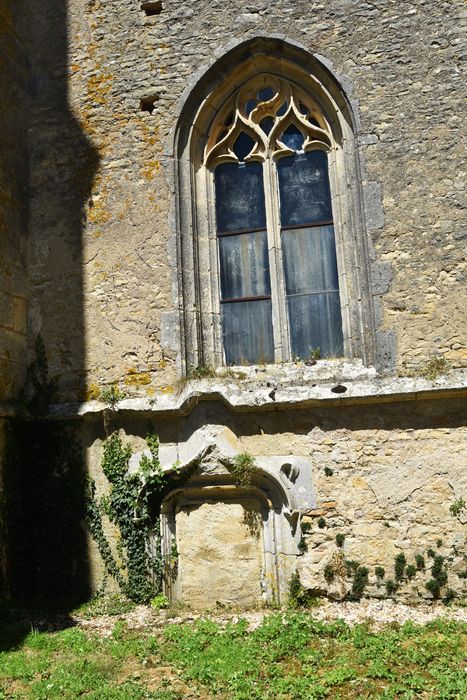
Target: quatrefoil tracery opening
(267,117)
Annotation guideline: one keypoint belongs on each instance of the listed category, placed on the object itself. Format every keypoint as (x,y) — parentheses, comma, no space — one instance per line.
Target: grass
(289,657)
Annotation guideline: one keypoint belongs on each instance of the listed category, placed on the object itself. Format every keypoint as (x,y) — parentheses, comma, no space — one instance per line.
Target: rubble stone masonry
(90,94)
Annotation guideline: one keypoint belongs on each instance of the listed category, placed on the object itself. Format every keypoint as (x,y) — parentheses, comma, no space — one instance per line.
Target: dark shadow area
(403,415)
(17,622)
(43,471)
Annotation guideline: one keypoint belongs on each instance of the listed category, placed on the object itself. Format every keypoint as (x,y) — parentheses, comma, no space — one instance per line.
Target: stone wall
(383,476)
(103,221)
(97,104)
(13,198)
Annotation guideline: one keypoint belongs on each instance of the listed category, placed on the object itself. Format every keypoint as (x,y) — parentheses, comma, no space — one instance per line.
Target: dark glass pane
(282,109)
(315,322)
(304,188)
(250,105)
(247,332)
(239,196)
(292,138)
(266,94)
(229,120)
(310,259)
(303,109)
(313,121)
(266,124)
(244,265)
(243,146)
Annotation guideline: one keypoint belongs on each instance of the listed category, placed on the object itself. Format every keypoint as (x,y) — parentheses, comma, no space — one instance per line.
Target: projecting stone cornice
(277,388)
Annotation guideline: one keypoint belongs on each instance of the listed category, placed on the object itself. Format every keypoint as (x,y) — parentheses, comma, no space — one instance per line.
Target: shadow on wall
(43,468)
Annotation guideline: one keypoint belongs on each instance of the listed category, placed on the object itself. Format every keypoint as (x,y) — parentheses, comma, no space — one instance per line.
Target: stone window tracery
(261,109)
(267,153)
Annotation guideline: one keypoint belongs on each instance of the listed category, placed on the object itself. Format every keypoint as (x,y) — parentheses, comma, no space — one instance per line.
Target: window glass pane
(247,332)
(266,94)
(293,138)
(310,259)
(243,146)
(266,124)
(315,322)
(244,265)
(239,196)
(304,188)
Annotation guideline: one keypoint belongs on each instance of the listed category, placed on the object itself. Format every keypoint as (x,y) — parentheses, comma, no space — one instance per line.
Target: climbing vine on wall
(136,569)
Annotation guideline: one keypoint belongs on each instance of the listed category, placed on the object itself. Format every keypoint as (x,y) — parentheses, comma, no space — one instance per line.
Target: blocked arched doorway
(226,544)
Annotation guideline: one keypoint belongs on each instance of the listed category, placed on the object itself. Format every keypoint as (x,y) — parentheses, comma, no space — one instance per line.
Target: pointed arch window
(267,152)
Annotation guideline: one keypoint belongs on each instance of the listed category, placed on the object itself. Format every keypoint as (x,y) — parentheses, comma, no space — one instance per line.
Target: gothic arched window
(274,258)
(279,291)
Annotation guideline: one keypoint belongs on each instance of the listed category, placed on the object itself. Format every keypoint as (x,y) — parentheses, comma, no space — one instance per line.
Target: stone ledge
(274,392)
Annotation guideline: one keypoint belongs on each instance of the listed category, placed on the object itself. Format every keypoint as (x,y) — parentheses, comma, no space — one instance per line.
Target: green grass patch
(289,657)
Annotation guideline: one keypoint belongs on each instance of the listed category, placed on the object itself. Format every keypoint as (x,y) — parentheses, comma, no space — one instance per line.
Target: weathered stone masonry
(90,245)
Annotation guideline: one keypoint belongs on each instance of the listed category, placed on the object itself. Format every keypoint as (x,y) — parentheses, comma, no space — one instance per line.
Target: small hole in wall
(148,103)
(339,389)
(152,8)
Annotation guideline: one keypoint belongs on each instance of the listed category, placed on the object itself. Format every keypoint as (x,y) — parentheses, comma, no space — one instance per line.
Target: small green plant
(112,394)
(439,543)
(433,587)
(328,573)
(379,572)
(431,553)
(302,545)
(457,507)
(438,570)
(434,368)
(420,562)
(391,586)
(449,596)
(440,576)
(230,373)
(340,539)
(359,583)
(202,372)
(174,550)
(321,522)
(315,354)
(351,566)
(299,597)
(243,469)
(411,571)
(328,471)
(160,601)
(399,566)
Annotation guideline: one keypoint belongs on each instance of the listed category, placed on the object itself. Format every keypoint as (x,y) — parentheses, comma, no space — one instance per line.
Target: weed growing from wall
(243,469)
(457,507)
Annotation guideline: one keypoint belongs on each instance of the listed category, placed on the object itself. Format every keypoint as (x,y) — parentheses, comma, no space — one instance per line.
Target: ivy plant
(138,573)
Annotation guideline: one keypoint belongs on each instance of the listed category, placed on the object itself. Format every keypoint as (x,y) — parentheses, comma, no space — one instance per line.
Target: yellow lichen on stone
(150,168)
(169,389)
(135,378)
(92,392)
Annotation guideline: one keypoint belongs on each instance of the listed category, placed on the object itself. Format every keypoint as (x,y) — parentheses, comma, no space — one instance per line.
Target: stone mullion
(279,310)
